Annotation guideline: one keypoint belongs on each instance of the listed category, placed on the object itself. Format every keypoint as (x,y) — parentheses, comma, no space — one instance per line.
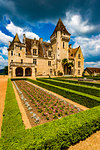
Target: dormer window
(11,53)
(49,53)
(79,56)
(34,52)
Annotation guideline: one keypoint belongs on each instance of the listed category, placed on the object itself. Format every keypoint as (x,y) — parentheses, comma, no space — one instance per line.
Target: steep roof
(60,27)
(42,47)
(93,70)
(16,39)
(72,52)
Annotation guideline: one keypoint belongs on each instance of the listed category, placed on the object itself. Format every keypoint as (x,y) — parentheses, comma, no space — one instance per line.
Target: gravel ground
(91,143)
(3,87)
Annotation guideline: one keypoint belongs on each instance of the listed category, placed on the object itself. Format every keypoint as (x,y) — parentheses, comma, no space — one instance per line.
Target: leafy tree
(6,70)
(68,64)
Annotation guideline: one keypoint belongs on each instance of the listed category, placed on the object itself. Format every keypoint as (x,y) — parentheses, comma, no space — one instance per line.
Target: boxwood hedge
(78,82)
(55,135)
(81,88)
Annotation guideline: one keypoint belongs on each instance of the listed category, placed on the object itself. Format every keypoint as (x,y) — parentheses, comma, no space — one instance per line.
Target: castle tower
(59,40)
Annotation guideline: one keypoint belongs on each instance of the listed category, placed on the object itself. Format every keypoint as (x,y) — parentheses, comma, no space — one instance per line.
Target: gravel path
(91,143)
(3,87)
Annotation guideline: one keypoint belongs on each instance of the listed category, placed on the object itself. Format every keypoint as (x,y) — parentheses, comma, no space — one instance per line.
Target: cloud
(93,64)
(3,62)
(5,38)
(4,50)
(15,29)
(76,25)
(90,48)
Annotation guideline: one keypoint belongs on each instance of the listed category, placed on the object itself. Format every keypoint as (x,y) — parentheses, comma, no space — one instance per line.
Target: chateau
(38,58)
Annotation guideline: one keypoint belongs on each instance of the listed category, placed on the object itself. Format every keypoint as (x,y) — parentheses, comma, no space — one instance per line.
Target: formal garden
(41,105)
(60,124)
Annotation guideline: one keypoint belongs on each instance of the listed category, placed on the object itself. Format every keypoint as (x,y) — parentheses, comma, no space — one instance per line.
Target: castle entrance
(28,72)
(19,71)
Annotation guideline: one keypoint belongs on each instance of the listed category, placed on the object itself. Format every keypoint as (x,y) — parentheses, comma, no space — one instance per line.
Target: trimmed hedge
(81,88)
(78,82)
(55,135)
(81,98)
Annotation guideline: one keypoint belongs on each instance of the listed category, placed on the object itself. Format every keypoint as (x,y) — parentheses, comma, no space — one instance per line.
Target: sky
(38,18)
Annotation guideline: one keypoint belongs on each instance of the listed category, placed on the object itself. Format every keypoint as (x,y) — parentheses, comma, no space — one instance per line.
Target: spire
(16,38)
(60,27)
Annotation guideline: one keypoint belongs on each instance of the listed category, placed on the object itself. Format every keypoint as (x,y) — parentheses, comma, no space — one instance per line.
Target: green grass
(81,88)
(55,135)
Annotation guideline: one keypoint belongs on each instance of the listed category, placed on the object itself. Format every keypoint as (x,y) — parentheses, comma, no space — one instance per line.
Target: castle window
(63,44)
(79,56)
(34,61)
(19,54)
(11,61)
(78,72)
(50,71)
(21,61)
(20,48)
(49,63)
(34,51)
(49,53)
(11,53)
(79,64)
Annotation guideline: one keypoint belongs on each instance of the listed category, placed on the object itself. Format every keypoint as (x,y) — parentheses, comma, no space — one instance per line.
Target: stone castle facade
(38,58)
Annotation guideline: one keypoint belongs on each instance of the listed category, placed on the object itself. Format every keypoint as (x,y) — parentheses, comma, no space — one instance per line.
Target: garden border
(57,135)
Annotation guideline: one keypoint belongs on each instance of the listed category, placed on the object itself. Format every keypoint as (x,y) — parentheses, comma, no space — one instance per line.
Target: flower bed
(44,105)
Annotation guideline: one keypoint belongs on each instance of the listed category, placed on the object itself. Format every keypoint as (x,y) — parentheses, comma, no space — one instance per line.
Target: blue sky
(39,18)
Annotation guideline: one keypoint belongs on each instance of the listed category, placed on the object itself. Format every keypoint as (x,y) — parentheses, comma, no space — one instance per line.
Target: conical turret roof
(60,27)
(16,38)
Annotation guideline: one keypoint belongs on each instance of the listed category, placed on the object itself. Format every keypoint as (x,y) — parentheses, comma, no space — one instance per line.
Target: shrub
(78,82)
(81,98)
(55,135)
(81,88)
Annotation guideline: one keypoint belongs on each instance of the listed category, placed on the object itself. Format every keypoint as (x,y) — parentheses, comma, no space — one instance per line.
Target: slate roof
(72,52)
(60,27)
(42,47)
(16,39)
(93,70)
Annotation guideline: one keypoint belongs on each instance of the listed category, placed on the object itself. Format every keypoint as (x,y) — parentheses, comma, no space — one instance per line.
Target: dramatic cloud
(4,50)
(90,47)
(3,62)
(15,29)
(5,38)
(76,25)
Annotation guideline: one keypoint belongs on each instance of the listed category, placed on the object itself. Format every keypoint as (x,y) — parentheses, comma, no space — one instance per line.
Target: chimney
(70,45)
(24,38)
(9,43)
(41,40)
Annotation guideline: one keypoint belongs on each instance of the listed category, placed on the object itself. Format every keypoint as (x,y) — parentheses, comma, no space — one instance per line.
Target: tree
(68,64)
(6,70)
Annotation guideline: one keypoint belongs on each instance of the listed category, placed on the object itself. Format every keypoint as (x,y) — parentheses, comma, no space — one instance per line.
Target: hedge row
(81,98)
(12,121)
(81,88)
(55,135)
(78,82)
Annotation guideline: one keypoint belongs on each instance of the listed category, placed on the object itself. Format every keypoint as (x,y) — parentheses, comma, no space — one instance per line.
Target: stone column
(33,71)
(23,72)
